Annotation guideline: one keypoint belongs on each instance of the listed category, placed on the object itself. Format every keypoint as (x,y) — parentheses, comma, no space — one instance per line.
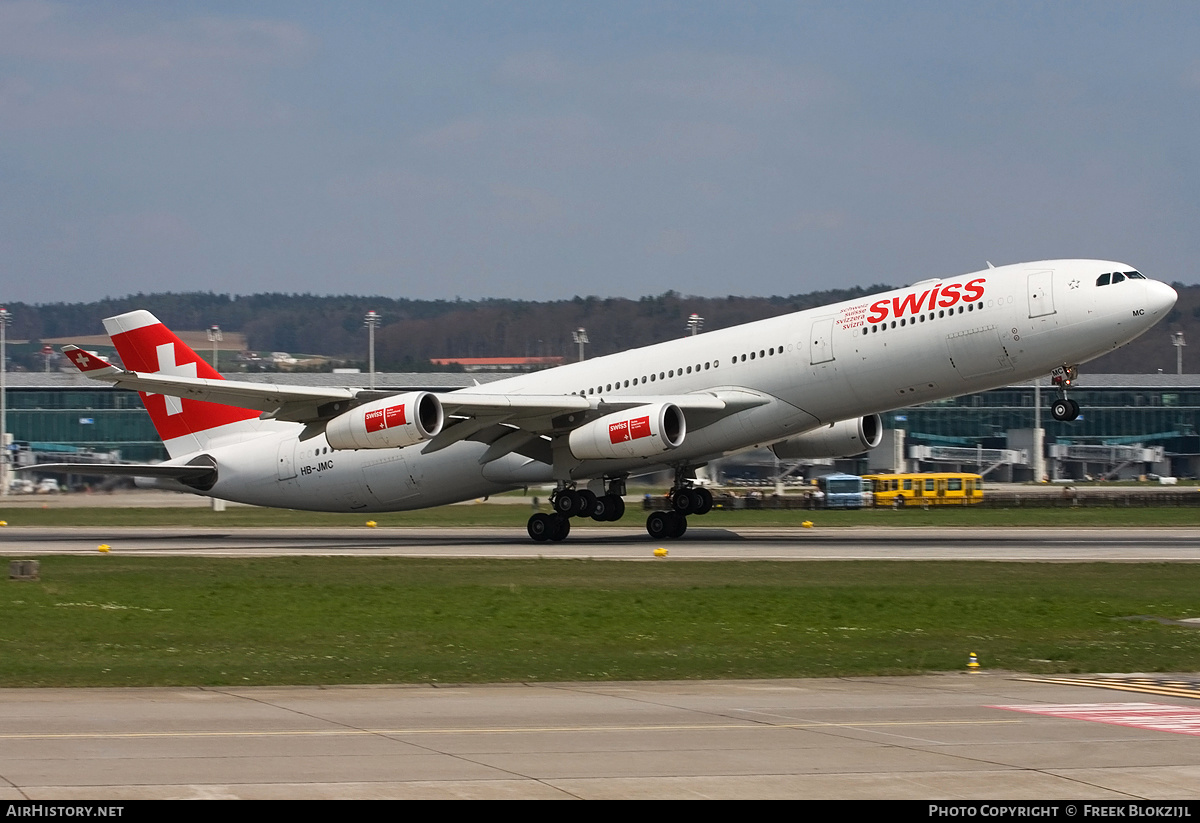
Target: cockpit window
(1103,279)
(1118,277)
(1135,275)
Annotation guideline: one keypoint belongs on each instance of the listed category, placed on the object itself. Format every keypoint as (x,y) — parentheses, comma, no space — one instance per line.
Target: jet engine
(644,431)
(841,439)
(389,423)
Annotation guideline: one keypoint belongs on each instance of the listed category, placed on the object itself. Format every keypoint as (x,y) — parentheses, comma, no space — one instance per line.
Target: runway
(930,737)
(621,543)
(955,736)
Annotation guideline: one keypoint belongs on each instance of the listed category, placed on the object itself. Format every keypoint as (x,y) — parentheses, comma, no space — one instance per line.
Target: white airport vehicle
(809,384)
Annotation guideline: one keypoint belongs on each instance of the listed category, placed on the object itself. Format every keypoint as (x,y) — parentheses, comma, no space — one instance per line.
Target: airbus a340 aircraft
(809,384)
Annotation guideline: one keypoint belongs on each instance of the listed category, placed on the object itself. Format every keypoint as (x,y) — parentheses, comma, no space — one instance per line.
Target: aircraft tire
(617,509)
(539,527)
(586,505)
(683,501)
(679,527)
(599,512)
(560,528)
(1064,411)
(659,525)
(566,502)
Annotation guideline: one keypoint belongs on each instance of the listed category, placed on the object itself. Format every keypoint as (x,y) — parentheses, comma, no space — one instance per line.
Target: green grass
(485,515)
(117,621)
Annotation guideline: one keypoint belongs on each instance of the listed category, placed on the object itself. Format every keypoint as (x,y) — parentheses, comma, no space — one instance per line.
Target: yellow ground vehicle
(934,489)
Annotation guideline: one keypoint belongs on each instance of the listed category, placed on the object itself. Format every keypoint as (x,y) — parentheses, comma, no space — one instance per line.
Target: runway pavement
(955,736)
(621,543)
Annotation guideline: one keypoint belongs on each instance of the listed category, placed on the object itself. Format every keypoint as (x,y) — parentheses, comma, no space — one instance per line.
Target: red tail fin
(146,345)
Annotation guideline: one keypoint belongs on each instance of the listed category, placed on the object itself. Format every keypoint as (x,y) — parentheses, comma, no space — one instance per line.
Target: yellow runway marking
(514,730)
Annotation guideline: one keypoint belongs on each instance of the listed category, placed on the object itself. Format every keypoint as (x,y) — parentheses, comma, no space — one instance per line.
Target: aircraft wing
(472,415)
(308,404)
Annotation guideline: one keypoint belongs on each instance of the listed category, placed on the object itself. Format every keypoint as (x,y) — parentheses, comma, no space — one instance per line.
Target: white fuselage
(935,339)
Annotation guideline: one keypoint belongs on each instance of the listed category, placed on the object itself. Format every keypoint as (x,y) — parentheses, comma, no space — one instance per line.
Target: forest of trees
(413,331)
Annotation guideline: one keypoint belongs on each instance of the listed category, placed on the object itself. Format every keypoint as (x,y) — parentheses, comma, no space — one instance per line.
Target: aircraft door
(820,340)
(1041,293)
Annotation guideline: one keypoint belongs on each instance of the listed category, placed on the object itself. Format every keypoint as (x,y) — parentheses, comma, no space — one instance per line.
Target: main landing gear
(685,499)
(1064,409)
(569,502)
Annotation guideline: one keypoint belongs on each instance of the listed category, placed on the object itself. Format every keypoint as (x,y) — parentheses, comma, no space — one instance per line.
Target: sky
(545,150)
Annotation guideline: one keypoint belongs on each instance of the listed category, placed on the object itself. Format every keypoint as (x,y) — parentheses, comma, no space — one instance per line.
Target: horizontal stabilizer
(122,469)
(196,476)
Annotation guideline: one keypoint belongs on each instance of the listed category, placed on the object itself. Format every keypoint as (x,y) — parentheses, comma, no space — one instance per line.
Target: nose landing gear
(1064,409)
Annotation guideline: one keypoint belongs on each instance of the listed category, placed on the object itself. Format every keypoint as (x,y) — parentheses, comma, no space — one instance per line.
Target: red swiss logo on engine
(629,430)
(381,419)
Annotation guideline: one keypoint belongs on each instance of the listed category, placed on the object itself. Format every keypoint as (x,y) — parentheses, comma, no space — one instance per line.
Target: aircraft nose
(1160,297)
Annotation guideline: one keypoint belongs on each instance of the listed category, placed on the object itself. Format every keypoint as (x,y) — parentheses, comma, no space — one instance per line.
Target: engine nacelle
(644,431)
(841,439)
(389,423)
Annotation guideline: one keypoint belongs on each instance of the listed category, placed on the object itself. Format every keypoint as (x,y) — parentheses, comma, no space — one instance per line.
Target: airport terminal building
(1131,425)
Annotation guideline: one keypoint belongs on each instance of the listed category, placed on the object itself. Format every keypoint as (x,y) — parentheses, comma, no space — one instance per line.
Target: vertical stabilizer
(146,345)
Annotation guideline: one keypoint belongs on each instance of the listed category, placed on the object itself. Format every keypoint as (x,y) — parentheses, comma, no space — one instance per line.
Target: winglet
(90,364)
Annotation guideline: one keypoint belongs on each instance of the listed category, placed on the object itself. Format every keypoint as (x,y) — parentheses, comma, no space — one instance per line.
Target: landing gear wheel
(565,502)
(601,511)
(617,510)
(608,508)
(684,501)
(585,505)
(660,525)
(666,525)
(1064,410)
(560,528)
(539,527)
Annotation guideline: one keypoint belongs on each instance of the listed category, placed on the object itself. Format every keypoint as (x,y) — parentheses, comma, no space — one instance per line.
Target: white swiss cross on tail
(166,365)
(149,348)
(89,363)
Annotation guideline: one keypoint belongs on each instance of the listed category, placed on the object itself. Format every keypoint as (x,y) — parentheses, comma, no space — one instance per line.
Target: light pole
(370,321)
(1177,342)
(214,337)
(580,337)
(5,319)
(695,324)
